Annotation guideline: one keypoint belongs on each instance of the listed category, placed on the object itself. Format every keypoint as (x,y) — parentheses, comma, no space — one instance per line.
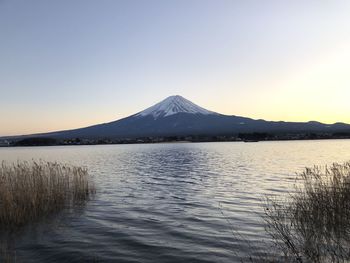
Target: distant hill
(177,116)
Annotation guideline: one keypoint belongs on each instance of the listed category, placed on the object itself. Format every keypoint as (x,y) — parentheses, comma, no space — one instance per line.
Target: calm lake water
(182,202)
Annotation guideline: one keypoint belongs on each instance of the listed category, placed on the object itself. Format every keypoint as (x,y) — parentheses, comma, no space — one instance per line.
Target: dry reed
(30,191)
(313,225)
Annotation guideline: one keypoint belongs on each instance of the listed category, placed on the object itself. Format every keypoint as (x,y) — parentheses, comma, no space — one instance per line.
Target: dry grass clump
(314,224)
(30,191)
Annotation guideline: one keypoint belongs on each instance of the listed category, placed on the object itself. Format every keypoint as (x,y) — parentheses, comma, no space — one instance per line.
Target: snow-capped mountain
(173,105)
(177,116)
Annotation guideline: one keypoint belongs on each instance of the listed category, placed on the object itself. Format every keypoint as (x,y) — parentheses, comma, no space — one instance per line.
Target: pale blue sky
(72,63)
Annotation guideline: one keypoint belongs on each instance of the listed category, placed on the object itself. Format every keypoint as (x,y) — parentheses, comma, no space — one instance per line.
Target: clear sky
(72,63)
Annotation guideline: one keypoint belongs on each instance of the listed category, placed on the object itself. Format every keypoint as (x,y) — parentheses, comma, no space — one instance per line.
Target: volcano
(177,116)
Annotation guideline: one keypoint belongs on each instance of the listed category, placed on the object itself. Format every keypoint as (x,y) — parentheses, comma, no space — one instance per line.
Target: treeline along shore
(241,137)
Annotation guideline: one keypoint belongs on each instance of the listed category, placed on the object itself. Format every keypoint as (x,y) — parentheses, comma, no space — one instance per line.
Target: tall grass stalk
(313,225)
(30,191)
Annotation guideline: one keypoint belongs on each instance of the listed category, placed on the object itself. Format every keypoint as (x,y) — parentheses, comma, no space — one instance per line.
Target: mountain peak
(173,105)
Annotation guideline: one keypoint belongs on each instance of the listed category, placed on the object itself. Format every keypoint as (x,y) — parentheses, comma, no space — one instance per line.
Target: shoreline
(173,142)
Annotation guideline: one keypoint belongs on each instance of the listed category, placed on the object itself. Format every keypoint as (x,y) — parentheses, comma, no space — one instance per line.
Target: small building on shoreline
(4,143)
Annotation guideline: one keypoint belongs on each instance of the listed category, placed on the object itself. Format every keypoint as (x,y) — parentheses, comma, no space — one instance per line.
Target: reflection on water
(170,202)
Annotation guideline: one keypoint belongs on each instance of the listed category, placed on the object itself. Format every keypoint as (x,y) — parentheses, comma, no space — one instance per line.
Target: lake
(176,202)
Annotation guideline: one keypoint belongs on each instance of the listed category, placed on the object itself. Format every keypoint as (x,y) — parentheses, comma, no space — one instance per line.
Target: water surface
(181,202)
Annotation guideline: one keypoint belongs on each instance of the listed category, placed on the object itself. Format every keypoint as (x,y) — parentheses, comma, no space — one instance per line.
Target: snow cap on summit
(172,105)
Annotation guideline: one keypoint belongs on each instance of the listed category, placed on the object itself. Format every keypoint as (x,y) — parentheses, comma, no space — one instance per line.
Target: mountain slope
(176,116)
(173,105)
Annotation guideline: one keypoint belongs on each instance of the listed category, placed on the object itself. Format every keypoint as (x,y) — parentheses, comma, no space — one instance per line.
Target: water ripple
(171,202)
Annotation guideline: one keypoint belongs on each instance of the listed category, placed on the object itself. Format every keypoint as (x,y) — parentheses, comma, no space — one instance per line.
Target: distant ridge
(177,116)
